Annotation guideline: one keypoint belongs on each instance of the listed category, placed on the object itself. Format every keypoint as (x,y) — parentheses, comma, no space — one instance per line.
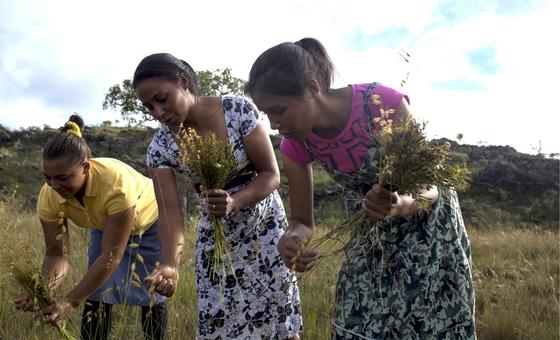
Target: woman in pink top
(413,279)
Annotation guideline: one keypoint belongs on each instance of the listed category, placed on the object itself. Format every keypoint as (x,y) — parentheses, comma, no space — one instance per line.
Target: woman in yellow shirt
(118,204)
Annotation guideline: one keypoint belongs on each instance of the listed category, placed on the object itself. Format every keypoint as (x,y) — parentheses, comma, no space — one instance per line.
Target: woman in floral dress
(258,297)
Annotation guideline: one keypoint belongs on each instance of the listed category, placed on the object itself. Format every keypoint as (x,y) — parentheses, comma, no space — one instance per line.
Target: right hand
(292,247)
(220,203)
(164,279)
(380,203)
(57,313)
(24,303)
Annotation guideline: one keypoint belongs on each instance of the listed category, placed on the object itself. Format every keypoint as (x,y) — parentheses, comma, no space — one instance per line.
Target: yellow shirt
(112,186)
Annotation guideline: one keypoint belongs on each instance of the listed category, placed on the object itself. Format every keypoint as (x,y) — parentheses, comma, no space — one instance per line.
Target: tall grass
(516,276)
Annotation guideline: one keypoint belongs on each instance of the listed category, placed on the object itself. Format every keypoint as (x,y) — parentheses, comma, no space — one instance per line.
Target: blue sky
(486,69)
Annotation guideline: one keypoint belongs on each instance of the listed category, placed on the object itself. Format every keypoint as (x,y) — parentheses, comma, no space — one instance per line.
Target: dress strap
(366,100)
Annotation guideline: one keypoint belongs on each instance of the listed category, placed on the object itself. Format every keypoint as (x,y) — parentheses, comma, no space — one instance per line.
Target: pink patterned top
(346,151)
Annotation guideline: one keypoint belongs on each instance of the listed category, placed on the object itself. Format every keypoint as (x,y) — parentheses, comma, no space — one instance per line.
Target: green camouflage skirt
(410,278)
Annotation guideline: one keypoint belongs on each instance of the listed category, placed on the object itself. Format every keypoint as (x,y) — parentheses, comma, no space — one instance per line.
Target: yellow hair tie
(73,128)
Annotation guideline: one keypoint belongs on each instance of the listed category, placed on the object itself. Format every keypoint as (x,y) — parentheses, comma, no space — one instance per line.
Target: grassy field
(516,276)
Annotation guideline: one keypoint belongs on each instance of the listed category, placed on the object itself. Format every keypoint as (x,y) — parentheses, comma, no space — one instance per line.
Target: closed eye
(60,177)
(161,98)
(275,111)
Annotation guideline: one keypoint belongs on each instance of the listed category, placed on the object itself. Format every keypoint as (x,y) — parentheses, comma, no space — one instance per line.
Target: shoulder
(163,150)
(48,205)
(109,165)
(238,104)
(108,170)
(112,179)
(108,162)
(46,195)
(385,92)
(375,98)
(241,113)
(162,136)
(295,151)
(389,96)
(109,173)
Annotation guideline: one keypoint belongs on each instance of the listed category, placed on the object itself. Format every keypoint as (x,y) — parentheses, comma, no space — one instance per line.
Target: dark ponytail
(69,143)
(284,68)
(168,67)
(323,64)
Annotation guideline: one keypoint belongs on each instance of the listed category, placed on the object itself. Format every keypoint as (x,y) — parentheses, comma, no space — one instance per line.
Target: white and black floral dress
(261,299)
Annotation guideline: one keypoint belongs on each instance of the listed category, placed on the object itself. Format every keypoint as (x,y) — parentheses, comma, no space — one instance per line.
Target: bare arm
(300,230)
(380,203)
(170,221)
(113,243)
(261,154)
(170,231)
(57,247)
(406,206)
(55,263)
(300,182)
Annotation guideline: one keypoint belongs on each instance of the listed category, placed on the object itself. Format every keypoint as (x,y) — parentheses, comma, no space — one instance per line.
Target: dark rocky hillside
(508,188)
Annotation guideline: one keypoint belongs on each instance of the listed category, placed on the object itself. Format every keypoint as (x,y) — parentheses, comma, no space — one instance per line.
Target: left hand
(220,203)
(381,203)
(164,279)
(24,303)
(292,247)
(56,314)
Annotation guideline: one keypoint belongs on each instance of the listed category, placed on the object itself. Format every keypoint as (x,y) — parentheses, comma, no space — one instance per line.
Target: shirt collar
(92,189)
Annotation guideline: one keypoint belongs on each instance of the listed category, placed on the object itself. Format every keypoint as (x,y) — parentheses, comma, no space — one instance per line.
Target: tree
(121,97)
(219,83)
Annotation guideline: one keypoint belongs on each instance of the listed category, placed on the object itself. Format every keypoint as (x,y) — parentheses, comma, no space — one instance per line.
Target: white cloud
(515,103)
(79,50)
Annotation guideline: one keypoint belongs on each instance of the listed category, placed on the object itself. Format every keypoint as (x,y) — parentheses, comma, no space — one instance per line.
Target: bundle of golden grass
(30,278)
(409,163)
(213,164)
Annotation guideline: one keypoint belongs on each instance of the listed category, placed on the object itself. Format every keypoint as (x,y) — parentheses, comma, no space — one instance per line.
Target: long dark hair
(67,144)
(168,67)
(284,68)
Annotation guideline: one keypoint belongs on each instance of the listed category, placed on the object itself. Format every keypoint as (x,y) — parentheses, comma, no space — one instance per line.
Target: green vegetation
(516,275)
(511,210)
(518,189)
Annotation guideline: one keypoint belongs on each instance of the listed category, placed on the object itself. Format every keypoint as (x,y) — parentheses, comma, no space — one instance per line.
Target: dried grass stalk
(213,164)
(409,163)
(30,278)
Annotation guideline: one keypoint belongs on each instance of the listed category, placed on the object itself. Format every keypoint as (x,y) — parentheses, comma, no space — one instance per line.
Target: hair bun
(73,128)
(78,120)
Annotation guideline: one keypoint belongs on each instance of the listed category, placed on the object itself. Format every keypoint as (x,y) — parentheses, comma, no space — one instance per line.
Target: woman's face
(167,101)
(65,178)
(292,116)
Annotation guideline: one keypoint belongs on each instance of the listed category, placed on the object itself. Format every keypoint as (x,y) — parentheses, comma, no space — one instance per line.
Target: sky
(484,68)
